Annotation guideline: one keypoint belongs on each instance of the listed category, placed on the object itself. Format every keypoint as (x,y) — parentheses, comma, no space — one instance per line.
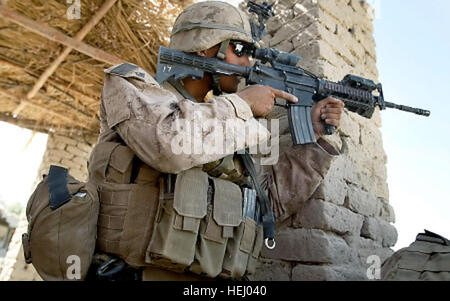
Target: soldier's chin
(231,86)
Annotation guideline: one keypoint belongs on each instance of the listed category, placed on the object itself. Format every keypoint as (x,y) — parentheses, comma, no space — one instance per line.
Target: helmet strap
(221,55)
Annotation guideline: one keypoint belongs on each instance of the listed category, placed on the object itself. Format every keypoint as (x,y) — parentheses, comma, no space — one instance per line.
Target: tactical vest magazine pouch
(128,202)
(200,228)
(177,222)
(239,249)
(62,225)
(217,228)
(254,255)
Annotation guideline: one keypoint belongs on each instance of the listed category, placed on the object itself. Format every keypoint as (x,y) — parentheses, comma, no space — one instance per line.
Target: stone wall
(349,217)
(70,152)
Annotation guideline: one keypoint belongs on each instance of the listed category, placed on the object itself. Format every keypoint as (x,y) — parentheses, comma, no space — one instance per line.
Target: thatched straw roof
(46,86)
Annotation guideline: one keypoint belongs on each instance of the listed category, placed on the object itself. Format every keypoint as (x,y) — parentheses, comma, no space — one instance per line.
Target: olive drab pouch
(177,221)
(239,249)
(128,194)
(427,259)
(62,226)
(224,214)
(254,255)
(199,227)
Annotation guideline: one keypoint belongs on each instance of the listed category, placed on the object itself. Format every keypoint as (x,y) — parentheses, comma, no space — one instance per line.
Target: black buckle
(110,269)
(57,186)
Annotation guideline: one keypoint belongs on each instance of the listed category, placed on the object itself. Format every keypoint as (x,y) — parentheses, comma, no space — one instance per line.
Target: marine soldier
(171,215)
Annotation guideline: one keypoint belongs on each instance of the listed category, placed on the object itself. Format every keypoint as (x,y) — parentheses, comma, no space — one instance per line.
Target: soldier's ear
(201,53)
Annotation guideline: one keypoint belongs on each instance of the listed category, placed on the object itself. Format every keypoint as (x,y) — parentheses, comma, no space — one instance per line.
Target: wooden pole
(79,36)
(20,100)
(36,126)
(57,36)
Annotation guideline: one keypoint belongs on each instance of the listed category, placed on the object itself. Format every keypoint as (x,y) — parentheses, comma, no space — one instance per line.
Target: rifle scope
(273,55)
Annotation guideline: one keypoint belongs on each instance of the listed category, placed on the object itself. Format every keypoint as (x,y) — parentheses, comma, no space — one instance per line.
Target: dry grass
(132,30)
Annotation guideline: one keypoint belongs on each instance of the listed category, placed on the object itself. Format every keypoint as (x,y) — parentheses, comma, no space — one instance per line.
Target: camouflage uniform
(137,111)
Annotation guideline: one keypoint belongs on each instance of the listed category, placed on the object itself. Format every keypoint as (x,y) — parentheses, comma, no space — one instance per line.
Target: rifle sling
(181,89)
(268,219)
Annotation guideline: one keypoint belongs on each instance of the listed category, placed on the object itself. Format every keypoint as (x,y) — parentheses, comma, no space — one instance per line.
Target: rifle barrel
(408,109)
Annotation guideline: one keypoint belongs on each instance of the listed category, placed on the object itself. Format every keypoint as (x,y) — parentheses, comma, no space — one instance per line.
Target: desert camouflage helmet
(206,24)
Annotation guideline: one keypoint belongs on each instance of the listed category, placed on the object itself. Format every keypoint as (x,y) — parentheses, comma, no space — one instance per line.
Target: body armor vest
(191,221)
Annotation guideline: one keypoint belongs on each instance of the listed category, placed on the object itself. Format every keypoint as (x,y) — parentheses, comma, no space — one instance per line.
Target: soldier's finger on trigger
(282,94)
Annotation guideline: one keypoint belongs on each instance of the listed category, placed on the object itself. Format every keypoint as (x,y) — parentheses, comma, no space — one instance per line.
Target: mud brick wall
(70,152)
(349,217)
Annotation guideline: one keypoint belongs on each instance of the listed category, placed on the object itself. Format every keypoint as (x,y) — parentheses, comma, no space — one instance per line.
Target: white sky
(413,51)
(19,162)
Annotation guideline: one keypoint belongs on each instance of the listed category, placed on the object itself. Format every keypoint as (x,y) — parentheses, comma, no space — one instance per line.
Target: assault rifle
(359,95)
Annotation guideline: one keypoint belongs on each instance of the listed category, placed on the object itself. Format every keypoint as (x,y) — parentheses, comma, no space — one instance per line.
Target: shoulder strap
(98,161)
(128,70)
(122,69)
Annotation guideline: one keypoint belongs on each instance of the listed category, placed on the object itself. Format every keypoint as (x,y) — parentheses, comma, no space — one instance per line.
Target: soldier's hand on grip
(327,111)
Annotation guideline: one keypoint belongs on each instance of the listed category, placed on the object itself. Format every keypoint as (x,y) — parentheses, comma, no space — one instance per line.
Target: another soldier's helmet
(206,24)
